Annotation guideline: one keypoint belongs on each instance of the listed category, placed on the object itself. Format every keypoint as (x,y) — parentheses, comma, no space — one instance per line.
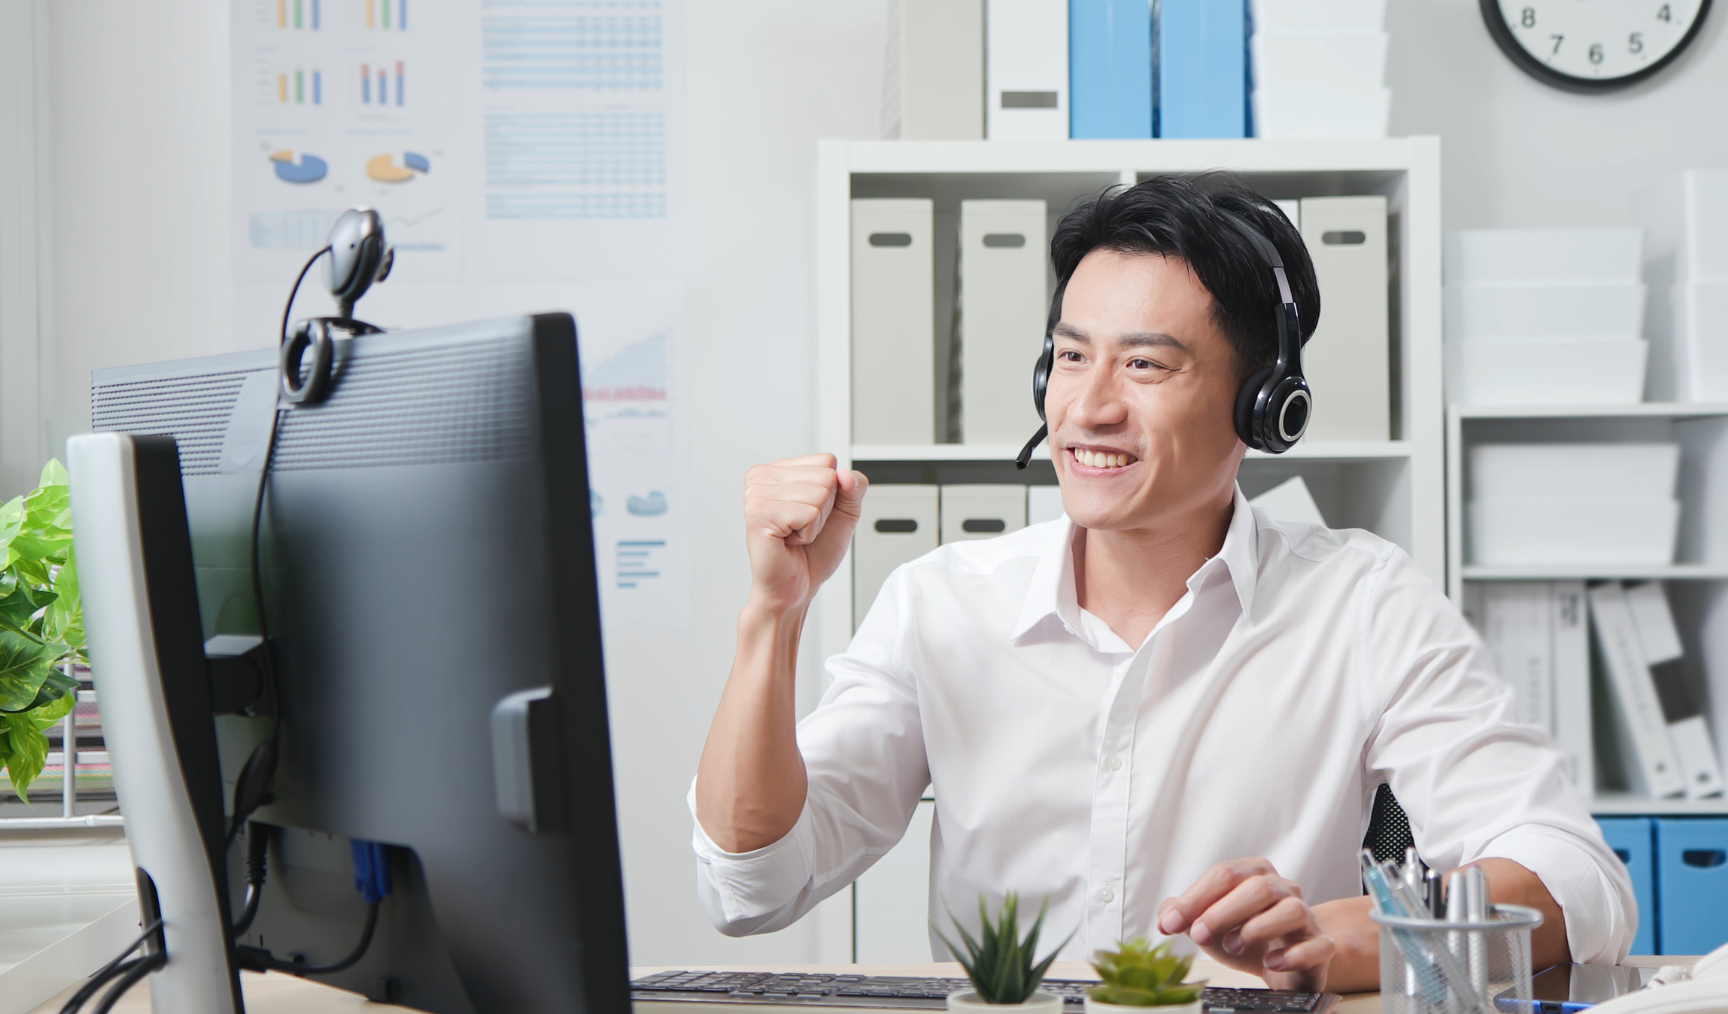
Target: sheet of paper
(526,156)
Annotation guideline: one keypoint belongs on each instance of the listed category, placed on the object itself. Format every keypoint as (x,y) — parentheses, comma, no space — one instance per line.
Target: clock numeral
(1557,40)
(1596,53)
(1636,42)
(1664,14)
(1528,17)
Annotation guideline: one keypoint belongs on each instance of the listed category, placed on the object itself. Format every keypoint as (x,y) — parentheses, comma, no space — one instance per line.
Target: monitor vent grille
(429,406)
(192,410)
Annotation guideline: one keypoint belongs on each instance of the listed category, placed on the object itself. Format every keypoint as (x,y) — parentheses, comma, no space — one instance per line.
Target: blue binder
(1633,840)
(1692,883)
(1202,68)
(1109,68)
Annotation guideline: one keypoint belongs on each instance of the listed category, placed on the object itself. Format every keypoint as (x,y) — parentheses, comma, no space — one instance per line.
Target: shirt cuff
(1601,915)
(755,884)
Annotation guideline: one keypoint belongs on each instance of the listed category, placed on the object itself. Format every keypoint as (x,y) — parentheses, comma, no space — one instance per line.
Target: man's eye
(1069,355)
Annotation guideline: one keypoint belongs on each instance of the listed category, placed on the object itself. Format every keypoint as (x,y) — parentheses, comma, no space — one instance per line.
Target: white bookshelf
(1697,580)
(1394,487)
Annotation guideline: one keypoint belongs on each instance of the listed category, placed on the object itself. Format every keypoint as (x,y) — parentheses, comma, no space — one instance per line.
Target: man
(1113,708)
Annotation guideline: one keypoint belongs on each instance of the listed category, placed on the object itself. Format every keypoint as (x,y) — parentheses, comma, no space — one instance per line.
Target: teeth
(1098,459)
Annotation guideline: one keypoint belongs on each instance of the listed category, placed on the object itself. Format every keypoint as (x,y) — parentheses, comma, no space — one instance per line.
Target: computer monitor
(427,554)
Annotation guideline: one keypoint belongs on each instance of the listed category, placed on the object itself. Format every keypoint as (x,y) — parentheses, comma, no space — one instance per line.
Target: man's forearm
(750,785)
(1356,965)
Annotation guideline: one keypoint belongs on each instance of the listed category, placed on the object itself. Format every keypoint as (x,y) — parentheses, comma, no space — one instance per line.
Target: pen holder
(1433,967)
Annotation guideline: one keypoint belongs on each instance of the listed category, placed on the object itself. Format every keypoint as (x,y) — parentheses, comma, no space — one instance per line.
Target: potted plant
(41,624)
(1001,964)
(1137,975)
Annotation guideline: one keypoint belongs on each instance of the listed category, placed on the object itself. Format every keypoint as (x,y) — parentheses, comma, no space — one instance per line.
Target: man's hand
(798,520)
(1246,916)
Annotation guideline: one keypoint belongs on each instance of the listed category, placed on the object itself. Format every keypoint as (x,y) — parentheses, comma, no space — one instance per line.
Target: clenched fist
(799,514)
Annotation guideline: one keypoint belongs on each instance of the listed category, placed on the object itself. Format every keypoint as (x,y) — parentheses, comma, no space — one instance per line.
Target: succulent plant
(1001,964)
(1139,975)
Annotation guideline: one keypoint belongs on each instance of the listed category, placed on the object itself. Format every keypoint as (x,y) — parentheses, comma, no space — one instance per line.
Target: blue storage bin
(1633,840)
(1692,884)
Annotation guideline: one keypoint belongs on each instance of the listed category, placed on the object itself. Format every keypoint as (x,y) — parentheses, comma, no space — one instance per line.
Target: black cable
(118,966)
(243,808)
(144,966)
(257,849)
(258,959)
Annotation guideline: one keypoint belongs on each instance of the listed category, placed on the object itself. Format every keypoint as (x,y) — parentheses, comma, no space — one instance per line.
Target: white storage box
(1585,309)
(1689,336)
(1319,15)
(1344,62)
(1509,256)
(1574,471)
(1305,113)
(1550,372)
(1566,532)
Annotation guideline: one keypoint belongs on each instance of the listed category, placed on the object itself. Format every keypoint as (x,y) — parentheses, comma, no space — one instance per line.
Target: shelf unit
(1393,487)
(1699,577)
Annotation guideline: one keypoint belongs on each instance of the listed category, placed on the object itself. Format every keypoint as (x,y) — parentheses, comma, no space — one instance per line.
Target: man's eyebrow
(1150,339)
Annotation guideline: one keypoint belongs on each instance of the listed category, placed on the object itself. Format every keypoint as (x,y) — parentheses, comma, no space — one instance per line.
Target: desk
(274,993)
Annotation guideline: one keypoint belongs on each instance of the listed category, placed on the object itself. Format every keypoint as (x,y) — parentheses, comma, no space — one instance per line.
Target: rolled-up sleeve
(863,749)
(1475,783)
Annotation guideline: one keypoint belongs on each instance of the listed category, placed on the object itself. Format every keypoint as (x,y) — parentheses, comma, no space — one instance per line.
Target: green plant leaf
(11,520)
(27,752)
(64,620)
(1137,974)
(1000,963)
(55,688)
(24,666)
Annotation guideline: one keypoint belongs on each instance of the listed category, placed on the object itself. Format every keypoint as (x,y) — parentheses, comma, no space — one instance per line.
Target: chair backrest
(1388,827)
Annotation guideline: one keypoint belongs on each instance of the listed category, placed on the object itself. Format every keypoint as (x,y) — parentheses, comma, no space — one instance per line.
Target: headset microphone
(1274,405)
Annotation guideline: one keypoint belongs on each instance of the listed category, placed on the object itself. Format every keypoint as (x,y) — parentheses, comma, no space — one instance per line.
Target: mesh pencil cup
(1433,967)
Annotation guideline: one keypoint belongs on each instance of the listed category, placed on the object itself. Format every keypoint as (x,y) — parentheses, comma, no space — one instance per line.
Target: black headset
(1274,405)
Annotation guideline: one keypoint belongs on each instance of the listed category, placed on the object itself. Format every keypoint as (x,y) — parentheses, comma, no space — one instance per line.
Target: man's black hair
(1180,216)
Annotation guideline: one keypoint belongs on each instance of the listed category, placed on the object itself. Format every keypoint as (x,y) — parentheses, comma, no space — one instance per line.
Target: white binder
(1003,309)
(1651,766)
(896,525)
(982,512)
(1348,361)
(931,84)
(893,322)
(1026,70)
(1572,723)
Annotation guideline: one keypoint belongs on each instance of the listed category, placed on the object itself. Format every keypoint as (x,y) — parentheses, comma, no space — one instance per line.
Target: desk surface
(273,993)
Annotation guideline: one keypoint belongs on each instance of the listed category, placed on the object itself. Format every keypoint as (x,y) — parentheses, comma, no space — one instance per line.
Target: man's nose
(1100,401)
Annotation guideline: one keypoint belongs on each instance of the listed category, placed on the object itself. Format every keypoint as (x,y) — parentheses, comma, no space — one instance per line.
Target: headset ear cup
(1245,399)
(1041,375)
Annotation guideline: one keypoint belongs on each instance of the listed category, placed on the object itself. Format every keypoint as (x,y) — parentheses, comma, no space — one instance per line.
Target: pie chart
(384,169)
(310,168)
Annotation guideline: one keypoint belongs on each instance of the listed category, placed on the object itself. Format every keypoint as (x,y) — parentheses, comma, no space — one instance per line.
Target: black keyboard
(894,991)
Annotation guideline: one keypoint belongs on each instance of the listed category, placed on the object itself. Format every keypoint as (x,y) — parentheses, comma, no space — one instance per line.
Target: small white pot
(1095,1007)
(968,1001)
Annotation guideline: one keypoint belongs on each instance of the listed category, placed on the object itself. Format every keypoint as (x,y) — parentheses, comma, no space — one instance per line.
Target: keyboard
(904,992)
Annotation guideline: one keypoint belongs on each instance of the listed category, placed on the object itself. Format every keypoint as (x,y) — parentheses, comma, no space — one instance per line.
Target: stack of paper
(1319,68)
(1686,260)
(1544,317)
(1572,504)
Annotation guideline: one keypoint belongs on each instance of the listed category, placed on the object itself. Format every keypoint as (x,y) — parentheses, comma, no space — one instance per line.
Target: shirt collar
(1052,594)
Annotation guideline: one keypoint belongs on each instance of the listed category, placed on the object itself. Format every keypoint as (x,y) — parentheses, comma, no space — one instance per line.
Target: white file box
(935,61)
(1043,503)
(893,323)
(1574,471)
(1026,70)
(1478,311)
(1003,310)
(1348,361)
(1509,256)
(896,525)
(1546,372)
(982,512)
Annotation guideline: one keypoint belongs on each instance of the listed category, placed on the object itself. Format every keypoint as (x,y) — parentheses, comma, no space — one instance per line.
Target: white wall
(1516,152)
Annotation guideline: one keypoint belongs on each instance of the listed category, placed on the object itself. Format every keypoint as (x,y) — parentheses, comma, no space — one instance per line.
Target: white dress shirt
(1303,667)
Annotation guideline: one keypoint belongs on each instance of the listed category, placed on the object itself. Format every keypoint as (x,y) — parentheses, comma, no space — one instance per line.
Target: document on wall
(526,156)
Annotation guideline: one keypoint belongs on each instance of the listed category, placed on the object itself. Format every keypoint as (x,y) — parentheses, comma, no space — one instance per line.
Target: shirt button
(1113,762)
(1106,895)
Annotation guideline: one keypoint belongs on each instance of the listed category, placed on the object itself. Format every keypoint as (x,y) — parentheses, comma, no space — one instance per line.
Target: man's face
(1141,394)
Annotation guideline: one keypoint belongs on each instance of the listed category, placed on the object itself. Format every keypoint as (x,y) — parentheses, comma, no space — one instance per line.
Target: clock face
(1593,45)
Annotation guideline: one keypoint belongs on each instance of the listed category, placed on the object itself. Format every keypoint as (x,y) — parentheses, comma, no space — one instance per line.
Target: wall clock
(1593,45)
